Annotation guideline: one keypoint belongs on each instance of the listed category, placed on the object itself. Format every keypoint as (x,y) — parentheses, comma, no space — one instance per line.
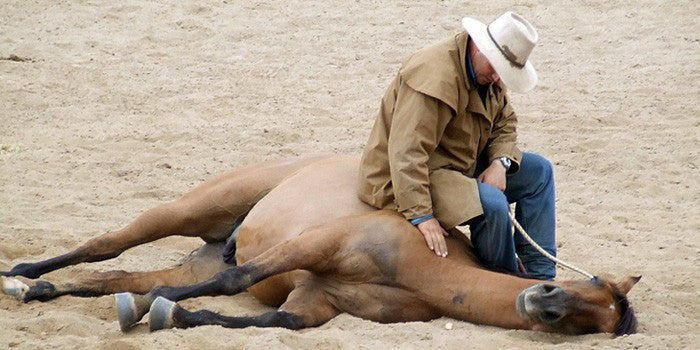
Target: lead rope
(544,252)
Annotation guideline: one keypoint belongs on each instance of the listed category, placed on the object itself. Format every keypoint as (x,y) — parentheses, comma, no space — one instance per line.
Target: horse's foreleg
(167,314)
(307,251)
(311,250)
(306,306)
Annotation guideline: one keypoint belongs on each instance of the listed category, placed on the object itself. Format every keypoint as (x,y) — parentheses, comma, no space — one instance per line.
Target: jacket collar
(440,71)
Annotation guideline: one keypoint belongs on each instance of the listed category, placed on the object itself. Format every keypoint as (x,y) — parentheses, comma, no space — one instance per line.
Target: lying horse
(305,243)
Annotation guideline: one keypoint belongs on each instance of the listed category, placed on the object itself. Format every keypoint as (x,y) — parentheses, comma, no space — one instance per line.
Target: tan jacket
(431,126)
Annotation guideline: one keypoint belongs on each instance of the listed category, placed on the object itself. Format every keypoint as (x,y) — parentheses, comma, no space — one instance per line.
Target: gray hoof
(161,314)
(128,311)
(14,287)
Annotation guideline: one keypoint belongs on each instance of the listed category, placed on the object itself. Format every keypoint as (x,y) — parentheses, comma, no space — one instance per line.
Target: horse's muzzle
(542,303)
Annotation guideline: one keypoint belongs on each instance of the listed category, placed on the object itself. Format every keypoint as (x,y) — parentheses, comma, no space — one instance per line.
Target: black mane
(628,321)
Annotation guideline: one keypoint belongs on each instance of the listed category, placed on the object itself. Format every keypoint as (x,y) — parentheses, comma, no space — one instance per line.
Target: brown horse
(305,243)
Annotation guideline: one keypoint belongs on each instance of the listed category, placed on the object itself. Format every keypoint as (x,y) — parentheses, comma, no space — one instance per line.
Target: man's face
(485,74)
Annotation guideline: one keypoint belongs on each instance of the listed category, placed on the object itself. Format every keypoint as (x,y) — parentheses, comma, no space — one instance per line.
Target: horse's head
(580,307)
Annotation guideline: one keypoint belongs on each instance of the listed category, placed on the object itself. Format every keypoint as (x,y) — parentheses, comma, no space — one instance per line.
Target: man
(443,148)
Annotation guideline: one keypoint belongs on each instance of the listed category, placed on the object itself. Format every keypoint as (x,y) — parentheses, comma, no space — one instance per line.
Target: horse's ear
(627,283)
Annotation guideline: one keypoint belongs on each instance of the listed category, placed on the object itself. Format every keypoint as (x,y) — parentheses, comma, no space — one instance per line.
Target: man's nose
(495,77)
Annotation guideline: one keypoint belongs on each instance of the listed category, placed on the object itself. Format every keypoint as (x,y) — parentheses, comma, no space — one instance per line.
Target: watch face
(505,161)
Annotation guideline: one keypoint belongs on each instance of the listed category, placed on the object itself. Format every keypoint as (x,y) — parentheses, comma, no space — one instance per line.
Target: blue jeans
(532,189)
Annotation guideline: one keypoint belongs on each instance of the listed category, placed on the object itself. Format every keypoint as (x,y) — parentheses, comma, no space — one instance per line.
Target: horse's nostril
(548,288)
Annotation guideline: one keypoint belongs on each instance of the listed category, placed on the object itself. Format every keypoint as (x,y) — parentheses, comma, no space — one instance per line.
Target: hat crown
(514,36)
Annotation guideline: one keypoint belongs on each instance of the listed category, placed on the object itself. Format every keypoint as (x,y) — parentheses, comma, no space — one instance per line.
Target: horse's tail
(229,252)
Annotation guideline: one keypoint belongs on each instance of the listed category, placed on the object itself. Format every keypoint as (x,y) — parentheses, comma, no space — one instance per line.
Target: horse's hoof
(14,287)
(161,314)
(130,309)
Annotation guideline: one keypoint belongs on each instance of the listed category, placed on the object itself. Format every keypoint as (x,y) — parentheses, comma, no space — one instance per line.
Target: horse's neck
(481,296)
(495,298)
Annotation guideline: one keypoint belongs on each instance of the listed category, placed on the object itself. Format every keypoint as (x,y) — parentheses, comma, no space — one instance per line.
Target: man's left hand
(494,175)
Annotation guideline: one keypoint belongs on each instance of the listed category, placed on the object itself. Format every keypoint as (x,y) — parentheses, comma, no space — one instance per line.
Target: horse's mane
(628,321)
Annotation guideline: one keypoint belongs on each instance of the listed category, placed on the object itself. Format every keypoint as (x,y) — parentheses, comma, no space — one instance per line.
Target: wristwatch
(505,161)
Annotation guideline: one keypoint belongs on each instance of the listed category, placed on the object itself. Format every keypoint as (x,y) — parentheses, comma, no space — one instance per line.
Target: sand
(109,108)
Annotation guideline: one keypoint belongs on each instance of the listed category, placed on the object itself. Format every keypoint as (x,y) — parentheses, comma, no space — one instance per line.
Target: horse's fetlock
(42,291)
(282,319)
(24,269)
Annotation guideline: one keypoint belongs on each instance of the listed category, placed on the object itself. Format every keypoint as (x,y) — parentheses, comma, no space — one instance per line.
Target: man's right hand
(434,235)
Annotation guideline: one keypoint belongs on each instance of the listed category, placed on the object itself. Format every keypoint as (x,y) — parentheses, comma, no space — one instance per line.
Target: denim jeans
(532,189)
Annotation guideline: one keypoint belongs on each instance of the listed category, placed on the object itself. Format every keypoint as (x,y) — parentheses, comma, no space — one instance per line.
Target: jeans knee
(493,202)
(539,165)
(497,210)
(539,169)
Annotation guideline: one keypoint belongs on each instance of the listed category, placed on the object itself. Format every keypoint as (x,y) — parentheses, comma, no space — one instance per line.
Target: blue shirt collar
(470,68)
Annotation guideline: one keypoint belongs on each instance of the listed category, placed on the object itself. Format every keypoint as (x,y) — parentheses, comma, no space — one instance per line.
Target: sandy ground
(110,108)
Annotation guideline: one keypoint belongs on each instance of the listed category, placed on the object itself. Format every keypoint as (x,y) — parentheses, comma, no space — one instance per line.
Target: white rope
(544,252)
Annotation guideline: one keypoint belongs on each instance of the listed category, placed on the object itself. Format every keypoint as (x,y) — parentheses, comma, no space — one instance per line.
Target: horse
(294,234)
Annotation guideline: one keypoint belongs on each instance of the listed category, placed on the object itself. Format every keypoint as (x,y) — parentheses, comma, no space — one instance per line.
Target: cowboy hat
(507,43)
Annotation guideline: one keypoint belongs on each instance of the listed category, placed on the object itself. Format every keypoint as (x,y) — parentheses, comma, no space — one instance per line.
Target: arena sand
(109,108)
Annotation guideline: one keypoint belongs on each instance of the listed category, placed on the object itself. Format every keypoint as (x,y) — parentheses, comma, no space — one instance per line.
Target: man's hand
(494,175)
(434,236)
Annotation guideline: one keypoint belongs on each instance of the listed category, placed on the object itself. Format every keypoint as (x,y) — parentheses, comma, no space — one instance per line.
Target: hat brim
(515,78)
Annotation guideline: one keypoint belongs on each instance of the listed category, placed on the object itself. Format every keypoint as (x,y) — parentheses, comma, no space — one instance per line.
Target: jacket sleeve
(418,122)
(502,141)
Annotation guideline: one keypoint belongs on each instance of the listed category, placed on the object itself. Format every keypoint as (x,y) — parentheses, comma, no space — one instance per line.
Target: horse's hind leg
(209,211)
(306,306)
(199,266)
(164,220)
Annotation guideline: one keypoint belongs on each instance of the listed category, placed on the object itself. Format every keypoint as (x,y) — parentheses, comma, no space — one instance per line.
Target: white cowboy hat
(507,43)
